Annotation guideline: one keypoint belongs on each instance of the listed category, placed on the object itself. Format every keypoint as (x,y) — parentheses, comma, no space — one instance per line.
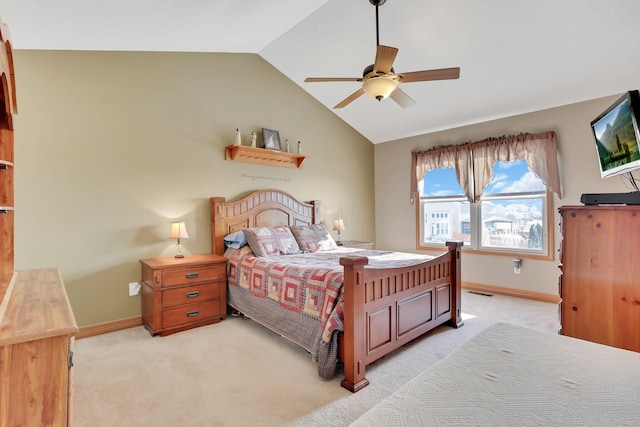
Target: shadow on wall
(103,296)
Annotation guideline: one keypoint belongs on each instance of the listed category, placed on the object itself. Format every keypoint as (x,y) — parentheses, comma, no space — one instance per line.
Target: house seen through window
(511,215)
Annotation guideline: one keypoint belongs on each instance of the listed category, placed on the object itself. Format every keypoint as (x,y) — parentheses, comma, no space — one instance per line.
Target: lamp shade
(379,87)
(178,231)
(338,224)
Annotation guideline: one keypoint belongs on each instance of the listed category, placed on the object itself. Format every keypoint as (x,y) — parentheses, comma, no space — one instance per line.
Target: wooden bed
(384,308)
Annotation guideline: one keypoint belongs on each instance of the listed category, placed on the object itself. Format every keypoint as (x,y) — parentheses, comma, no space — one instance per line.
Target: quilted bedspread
(508,375)
(308,284)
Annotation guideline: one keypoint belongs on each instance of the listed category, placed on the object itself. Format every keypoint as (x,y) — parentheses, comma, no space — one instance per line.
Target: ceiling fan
(379,79)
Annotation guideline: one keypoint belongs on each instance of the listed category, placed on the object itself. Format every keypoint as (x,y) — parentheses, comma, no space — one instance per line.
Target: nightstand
(183,293)
(356,244)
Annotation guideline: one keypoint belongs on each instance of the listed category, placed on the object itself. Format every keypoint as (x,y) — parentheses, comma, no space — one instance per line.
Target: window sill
(469,250)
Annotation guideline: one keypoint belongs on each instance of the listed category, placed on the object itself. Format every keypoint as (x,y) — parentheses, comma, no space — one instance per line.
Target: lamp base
(179,256)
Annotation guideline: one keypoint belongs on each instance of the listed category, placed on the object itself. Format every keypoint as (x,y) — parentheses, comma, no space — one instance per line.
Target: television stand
(632,198)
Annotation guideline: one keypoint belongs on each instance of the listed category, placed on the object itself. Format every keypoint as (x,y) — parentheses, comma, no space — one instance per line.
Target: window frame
(475,216)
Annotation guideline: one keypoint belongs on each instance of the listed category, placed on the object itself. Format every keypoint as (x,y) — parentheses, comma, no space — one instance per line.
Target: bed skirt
(303,331)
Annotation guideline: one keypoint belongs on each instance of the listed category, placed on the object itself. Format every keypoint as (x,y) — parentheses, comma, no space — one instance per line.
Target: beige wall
(112,146)
(395,215)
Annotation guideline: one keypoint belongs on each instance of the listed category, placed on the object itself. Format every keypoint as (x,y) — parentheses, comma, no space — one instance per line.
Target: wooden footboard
(386,308)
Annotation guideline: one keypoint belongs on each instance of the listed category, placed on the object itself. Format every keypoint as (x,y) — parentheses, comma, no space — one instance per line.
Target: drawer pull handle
(192,275)
(193,313)
(193,294)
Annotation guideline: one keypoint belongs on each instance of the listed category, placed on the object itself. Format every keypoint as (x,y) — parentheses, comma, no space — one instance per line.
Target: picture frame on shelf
(271,139)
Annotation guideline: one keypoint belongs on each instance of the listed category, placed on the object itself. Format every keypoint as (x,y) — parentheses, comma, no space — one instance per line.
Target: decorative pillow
(235,240)
(313,238)
(270,241)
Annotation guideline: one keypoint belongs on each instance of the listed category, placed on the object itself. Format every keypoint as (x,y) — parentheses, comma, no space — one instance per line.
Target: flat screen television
(617,137)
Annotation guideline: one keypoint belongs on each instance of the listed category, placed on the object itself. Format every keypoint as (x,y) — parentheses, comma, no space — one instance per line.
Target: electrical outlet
(517,264)
(134,289)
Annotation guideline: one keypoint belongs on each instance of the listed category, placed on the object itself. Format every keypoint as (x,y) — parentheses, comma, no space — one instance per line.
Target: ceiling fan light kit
(379,80)
(379,87)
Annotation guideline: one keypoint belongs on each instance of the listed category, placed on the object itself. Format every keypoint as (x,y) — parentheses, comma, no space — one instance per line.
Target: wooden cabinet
(37,325)
(600,281)
(36,337)
(183,293)
(356,244)
(7,109)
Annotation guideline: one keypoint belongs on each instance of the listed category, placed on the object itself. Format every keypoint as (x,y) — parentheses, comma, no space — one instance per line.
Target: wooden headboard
(263,208)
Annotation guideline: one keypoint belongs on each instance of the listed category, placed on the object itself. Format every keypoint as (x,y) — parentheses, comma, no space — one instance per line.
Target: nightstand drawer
(190,294)
(184,315)
(191,275)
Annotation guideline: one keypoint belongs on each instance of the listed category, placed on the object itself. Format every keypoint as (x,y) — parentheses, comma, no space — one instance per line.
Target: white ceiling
(515,56)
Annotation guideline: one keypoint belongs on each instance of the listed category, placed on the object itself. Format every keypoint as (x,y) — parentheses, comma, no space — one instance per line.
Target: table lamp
(338,224)
(178,231)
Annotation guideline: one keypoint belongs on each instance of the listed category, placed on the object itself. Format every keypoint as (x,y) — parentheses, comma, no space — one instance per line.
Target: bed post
(455,248)
(217,225)
(355,329)
(315,217)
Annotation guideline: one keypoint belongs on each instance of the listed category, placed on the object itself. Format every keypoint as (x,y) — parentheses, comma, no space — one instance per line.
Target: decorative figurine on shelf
(253,139)
(286,145)
(299,147)
(238,137)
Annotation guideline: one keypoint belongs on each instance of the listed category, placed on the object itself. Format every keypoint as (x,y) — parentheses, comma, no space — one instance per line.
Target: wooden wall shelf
(261,156)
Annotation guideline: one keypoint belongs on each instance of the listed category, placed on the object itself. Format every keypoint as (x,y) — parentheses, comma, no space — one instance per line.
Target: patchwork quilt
(289,281)
(308,284)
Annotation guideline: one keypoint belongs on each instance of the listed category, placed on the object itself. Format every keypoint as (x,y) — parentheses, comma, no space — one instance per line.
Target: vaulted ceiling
(515,56)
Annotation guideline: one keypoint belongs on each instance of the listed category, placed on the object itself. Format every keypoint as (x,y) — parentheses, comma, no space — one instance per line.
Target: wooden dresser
(600,281)
(37,329)
(183,293)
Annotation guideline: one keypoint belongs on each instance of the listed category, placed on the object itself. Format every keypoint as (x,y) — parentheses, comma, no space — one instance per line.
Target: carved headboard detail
(263,208)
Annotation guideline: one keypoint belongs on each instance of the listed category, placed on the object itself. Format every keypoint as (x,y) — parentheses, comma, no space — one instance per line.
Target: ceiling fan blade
(426,75)
(403,100)
(349,99)
(332,79)
(385,56)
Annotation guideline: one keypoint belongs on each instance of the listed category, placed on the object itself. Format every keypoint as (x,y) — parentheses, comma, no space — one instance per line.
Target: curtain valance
(473,161)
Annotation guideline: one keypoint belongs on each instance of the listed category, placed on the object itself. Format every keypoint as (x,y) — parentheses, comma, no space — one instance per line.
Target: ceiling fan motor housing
(368,72)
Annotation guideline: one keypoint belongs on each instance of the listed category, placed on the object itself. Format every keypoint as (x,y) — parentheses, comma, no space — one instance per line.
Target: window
(512,209)
(444,208)
(510,214)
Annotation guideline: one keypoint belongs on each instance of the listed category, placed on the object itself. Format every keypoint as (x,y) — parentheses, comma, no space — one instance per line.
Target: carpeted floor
(238,373)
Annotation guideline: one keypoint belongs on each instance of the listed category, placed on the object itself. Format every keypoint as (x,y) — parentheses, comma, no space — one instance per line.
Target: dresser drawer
(191,275)
(190,294)
(186,314)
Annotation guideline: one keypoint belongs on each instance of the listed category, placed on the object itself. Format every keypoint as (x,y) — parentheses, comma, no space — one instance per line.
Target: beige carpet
(238,373)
